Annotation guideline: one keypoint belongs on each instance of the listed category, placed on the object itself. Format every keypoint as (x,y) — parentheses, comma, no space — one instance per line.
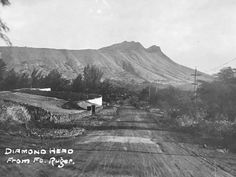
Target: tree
(78,84)
(219,96)
(23,81)
(2,68)
(92,77)
(106,90)
(5,2)
(11,80)
(3,27)
(144,94)
(226,74)
(55,81)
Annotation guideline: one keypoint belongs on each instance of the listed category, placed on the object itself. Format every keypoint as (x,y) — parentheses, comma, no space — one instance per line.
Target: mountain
(126,61)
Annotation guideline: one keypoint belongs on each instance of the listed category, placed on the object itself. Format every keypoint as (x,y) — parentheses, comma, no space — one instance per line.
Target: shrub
(18,113)
(174,102)
(14,118)
(12,112)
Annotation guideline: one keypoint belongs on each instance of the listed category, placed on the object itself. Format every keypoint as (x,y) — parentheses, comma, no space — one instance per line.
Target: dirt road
(130,145)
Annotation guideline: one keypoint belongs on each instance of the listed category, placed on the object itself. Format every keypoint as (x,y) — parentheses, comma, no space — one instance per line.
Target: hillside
(126,61)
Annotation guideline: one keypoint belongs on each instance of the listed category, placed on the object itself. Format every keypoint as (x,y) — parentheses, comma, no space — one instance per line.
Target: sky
(194,33)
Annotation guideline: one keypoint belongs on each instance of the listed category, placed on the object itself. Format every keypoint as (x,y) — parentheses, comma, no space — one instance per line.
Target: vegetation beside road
(209,113)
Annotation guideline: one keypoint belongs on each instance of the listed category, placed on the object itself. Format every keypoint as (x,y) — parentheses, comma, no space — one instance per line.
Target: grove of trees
(90,81)
(216,100)
(219,96)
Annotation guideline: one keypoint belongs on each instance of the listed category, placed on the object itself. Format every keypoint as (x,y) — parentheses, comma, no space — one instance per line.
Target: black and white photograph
(118,88)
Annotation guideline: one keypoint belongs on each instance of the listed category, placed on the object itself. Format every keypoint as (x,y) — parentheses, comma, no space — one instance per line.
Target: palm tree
(3,27)
(5,2)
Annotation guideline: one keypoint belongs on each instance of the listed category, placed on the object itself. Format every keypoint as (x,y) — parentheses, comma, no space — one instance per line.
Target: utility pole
(195,83)
(158,83)
(195,87)
(149,93)
(157,86)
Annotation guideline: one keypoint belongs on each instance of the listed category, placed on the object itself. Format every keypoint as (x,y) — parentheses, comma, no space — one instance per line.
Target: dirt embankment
(27,120)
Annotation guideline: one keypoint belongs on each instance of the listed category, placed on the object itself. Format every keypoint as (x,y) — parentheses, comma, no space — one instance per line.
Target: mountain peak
(126,45)
(131,43)
(154,48)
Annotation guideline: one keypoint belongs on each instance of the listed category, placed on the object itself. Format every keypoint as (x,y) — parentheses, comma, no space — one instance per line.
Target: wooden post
(93,109)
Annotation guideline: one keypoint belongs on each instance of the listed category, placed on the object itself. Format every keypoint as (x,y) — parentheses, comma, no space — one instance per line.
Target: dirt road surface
(132,144)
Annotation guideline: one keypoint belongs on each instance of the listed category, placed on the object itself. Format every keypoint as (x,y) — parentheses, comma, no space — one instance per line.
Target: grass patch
(68,96)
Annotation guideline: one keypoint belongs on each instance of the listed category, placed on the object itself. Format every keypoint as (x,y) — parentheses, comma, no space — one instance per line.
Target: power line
(220,66)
